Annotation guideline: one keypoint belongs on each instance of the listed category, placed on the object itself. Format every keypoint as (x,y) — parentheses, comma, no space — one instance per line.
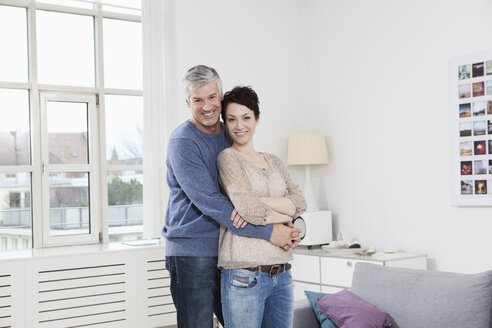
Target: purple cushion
(348,310)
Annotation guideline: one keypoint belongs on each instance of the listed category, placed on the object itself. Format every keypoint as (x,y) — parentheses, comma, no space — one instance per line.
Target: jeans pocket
(243,281)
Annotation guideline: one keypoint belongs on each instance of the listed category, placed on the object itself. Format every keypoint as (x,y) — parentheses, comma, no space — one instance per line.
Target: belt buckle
(275,270)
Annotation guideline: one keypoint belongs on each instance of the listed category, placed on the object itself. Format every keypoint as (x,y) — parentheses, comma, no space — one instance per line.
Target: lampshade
(307,149)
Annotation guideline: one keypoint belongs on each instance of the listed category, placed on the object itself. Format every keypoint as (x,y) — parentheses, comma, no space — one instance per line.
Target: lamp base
(308,191)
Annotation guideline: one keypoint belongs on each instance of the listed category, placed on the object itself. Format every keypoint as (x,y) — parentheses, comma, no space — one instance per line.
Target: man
(196,207)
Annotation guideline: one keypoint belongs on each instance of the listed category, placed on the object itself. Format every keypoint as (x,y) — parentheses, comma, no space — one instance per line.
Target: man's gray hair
(198,76)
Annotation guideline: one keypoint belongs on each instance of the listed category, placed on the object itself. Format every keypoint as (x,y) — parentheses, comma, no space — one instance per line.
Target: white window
(70,197)
(65,56)
(71,127)
(13,58)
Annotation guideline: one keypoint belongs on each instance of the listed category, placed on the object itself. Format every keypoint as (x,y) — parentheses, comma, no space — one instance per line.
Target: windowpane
(69,203)
(124,133)
(65,49)
(125,210)
(13,38)
(14,127)
(67,132)
(122,55)
(15,211)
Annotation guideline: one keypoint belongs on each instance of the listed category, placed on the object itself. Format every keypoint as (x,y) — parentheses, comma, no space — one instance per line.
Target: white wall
(248,43)
(377,85)
(370,75)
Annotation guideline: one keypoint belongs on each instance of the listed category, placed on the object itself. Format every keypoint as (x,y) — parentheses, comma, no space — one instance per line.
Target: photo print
(479,108)
(489,67)
(479,128)
(466,168)
(465,129)
(481,187)
(466,148)
(470,99)
(464,91)
(480,167)
(477,69)
(466,187)
(464,72)
(479,147)
(478,89)
(465,110)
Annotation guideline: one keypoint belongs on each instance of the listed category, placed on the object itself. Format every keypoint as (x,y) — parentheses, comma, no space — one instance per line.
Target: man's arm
(199,186)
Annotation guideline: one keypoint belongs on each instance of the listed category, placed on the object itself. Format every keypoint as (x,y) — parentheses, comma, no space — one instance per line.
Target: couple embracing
(228,224)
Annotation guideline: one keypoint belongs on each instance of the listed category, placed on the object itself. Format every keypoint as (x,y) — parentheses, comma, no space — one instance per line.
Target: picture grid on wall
(472,126)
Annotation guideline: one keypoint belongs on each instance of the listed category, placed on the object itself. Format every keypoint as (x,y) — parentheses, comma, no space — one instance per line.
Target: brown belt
(273,270)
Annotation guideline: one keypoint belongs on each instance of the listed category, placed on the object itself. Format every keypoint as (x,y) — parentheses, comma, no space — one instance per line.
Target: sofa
(417,298)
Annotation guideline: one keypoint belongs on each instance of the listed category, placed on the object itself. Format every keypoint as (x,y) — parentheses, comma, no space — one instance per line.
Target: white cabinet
(318,270)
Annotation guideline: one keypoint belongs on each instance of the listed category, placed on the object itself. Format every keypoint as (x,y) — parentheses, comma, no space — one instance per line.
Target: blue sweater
(196,207)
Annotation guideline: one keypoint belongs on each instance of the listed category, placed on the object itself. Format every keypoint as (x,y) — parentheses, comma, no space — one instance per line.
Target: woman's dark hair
(245,96)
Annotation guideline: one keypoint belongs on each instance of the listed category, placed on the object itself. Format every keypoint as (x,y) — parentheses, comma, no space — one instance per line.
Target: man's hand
(237,220)
(285,236)
(295,235)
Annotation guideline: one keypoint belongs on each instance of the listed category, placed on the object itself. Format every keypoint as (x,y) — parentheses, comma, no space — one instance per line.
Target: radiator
(107,289)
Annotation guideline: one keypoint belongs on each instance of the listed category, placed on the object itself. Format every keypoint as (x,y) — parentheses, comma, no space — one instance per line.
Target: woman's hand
(237,220)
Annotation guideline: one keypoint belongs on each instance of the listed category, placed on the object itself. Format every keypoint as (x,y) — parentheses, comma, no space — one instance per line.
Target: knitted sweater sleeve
(294,192)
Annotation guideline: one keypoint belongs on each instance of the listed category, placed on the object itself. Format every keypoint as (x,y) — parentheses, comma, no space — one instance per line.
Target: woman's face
(241,123)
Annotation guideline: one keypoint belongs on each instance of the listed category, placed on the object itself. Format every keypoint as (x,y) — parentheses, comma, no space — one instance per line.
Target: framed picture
(470,106)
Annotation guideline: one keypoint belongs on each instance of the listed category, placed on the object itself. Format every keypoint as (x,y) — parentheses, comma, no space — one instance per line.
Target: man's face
(205,106)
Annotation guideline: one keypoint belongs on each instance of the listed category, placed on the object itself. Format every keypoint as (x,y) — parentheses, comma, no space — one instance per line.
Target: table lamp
(307,149)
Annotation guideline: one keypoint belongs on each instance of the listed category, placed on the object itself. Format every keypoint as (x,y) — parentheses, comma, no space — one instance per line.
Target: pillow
(324,321)
(348,310)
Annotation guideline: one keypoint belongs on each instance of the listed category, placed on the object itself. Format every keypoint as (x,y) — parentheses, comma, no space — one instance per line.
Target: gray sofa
(418,298)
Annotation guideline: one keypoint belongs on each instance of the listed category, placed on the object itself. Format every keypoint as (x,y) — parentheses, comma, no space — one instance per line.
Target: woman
(256,283)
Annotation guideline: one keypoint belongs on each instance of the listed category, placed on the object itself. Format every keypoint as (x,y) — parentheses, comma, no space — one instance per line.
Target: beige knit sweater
(244,183)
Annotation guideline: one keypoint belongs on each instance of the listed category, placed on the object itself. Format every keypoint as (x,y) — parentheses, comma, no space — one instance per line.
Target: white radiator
(159,303)
(5,300)
(105,289)
(11,294)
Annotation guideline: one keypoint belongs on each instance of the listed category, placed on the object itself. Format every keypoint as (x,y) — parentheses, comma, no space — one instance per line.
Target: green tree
(124,193)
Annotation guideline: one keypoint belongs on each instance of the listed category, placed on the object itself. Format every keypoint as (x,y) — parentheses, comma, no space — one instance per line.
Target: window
(13,58)
(15,208)
(71,127)
(14,127)
(70,169)
(65,55)
(124,156)
(122,55)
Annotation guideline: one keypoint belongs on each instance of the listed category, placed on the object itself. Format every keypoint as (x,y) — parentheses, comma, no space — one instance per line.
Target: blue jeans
(195,288)
(252,299)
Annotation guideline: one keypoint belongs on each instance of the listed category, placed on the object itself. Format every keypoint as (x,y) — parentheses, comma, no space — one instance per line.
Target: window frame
(152,221)
(91,168)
